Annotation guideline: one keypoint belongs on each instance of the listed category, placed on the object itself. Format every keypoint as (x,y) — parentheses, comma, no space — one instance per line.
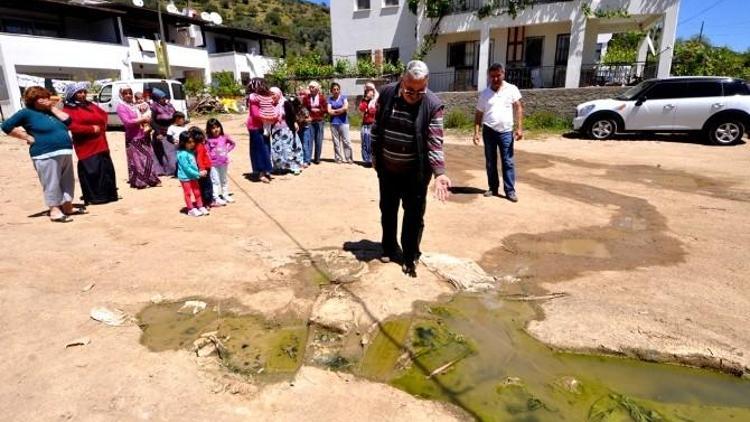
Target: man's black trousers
(409,190)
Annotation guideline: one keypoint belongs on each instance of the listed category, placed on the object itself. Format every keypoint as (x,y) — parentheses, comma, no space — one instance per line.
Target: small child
(188,173)
(143,110)
(268,111)
(219,145)
(176,128)
(204,165)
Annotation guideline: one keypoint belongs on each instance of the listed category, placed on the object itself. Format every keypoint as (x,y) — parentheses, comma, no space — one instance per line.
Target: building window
(562,49)
(22,26)
(240,47)
(391,55)
(514,54)
(364,55)
(224,45)
(462,54)
(390,3)
(363,4)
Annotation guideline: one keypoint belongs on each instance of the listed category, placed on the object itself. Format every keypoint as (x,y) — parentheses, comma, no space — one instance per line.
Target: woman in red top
(96,172)
(368,107)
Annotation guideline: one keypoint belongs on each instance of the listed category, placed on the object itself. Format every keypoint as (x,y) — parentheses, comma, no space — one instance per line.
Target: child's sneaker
(203,211)
(228,199)
(218,202)
(194,212)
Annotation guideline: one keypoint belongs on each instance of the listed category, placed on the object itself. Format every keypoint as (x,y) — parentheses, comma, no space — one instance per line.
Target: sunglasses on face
(413,93)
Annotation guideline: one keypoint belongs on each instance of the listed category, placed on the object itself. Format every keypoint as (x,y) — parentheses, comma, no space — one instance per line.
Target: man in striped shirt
(407,144)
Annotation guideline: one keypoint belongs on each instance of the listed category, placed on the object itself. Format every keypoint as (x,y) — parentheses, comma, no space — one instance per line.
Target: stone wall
(560,101)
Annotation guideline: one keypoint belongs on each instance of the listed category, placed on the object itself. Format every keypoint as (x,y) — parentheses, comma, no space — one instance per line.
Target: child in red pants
(188,173)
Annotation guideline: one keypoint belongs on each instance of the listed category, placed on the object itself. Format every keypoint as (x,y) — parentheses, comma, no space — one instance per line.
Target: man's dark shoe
(410,269)
(512,197)
(490,193)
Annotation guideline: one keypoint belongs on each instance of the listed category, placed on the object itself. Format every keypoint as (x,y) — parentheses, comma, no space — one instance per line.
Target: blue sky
(727,22)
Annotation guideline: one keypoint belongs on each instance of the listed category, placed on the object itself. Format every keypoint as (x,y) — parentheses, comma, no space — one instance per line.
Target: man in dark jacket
(407,144)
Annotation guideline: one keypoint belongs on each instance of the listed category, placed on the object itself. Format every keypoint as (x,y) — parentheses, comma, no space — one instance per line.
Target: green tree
(698,57)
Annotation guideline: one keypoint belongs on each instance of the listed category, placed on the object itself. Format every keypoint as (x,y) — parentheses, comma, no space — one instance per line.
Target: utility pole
(700,36)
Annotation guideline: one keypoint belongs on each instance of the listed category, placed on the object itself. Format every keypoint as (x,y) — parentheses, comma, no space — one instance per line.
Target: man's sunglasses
(412,93)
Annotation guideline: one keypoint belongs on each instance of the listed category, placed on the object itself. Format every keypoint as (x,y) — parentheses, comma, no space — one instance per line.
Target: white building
(54,39)
(551,44)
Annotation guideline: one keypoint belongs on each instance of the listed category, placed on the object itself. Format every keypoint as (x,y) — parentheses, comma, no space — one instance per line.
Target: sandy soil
(647,239)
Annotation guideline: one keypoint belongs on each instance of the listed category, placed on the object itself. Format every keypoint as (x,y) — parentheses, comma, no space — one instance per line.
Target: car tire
(601,128)
(725,131)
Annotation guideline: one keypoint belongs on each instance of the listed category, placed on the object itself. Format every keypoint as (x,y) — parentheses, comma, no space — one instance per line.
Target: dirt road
(647,240)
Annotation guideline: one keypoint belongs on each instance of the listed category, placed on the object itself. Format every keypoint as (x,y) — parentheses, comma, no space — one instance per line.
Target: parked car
(108,97)
(717,107)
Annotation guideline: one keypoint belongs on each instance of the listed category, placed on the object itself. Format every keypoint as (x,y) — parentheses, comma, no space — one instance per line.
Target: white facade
(386,24)
(552,43)
(91,50)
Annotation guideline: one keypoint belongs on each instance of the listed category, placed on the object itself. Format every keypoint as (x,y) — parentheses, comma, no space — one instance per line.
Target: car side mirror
(640,101)
(95,98)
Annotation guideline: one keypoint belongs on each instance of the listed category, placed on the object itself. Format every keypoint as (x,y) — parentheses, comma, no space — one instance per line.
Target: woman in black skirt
(88,126)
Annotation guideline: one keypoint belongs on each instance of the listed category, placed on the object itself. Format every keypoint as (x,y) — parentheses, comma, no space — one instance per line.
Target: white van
(108,97)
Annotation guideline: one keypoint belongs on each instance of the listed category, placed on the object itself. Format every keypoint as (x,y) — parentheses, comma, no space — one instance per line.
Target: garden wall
(560,101)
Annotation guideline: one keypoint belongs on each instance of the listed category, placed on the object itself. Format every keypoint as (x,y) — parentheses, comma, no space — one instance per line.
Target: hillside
(306,25)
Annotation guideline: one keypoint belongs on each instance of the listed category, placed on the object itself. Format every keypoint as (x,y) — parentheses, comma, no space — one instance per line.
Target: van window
(177,92)
(667,90)
(105,95)
(162,86)
(704,89)
(736,88)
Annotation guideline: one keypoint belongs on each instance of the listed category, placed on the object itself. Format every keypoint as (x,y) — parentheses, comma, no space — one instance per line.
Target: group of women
(286,134)
(53,133)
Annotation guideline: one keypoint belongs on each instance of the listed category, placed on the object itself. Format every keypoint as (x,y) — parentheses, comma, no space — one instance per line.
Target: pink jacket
(219,148)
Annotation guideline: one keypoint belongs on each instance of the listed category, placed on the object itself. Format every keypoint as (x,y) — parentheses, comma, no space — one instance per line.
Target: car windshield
(635,91)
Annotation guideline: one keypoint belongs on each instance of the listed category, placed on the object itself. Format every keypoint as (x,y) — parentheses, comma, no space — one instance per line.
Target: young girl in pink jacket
(219,145)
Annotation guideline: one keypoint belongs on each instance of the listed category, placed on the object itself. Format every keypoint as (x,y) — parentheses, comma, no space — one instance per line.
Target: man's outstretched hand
(442,187)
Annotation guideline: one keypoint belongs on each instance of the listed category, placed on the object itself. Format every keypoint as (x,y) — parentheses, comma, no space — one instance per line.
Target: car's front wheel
(601,128)
(726,131)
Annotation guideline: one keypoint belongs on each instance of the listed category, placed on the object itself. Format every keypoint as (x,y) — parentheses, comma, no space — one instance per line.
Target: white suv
(718,107)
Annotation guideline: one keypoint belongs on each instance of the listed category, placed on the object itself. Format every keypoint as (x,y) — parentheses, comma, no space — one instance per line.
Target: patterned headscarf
(125,88)
(70,94)
(276,91)
(376,94)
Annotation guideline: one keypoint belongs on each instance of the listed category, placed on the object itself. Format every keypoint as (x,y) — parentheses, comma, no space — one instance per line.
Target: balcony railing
(523,77)
(617,73)
(463,6)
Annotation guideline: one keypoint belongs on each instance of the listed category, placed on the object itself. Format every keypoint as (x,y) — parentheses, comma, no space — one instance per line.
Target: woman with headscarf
(165,151)
(141,171)
(286,148)
(88,125)
(44,128)
(368,107)
(260,154)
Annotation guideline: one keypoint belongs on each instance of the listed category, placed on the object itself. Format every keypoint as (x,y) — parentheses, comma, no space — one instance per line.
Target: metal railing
(463,6)
(523,77)
(617,73)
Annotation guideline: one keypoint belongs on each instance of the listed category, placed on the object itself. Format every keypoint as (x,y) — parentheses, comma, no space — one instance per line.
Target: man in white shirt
(496,108)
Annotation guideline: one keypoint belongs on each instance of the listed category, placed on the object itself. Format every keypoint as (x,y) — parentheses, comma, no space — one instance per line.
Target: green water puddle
(470,351)
(474,353)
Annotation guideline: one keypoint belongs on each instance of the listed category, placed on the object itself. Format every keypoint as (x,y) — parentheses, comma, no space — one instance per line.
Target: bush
(366,69)
(545,120)
(194,86)
(224,85)
(342,67)
(457,119)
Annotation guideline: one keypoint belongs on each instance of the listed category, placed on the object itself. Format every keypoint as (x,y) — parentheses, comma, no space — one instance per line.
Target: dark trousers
(316,136)
(408,190)
(494,140)
(207,189)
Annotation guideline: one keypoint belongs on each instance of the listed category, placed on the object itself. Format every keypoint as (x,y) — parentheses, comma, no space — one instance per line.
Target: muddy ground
(645,240)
